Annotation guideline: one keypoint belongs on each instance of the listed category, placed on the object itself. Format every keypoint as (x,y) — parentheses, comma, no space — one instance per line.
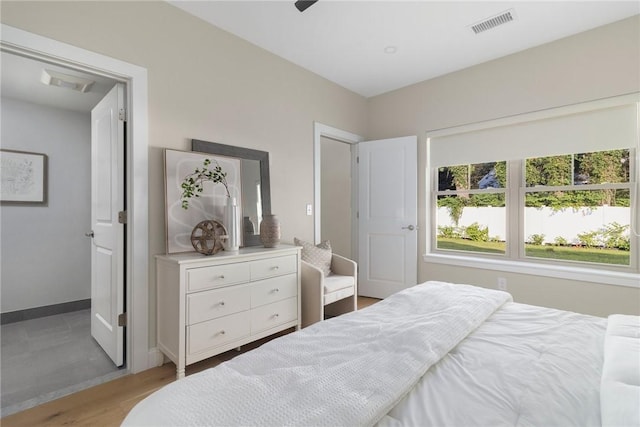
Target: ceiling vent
(53,78)
(494,21)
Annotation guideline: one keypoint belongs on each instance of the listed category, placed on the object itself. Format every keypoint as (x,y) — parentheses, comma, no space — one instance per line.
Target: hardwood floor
(108,404)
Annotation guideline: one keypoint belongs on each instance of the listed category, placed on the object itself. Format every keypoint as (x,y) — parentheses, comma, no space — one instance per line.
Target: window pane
(453,178)
(488,175)
(554,171)
(474,223)
(587,226)
(601,167)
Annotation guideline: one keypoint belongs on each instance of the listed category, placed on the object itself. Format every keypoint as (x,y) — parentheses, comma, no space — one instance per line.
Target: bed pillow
(317,255)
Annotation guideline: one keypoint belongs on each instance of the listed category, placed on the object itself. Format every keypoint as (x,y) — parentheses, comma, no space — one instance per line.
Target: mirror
(256,189)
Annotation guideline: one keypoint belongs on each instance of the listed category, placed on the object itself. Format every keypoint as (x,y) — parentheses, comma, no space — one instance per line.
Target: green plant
(449,232)
(192,185)
(589,239)
(536,239)
(477,233)
(560,241)
(614,236)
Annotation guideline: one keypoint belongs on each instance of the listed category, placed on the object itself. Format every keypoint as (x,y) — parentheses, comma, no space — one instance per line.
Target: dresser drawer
(272,315)
(273,267)
(275,289)
(207,305)
(214,333)
(216,276)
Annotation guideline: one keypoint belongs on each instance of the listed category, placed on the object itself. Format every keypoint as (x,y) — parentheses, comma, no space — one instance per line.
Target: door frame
(20,42)
(319,131)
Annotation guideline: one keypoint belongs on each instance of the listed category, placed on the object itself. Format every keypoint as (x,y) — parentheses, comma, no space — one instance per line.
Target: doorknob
(89,234)
(410,228)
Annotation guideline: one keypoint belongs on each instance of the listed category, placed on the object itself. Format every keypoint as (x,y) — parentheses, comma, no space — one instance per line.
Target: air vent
(494,21)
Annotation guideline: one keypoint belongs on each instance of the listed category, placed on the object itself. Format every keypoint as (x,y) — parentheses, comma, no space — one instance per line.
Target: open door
(387,216)
(107,221)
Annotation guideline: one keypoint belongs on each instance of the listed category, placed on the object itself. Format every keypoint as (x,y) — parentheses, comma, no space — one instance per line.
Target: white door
(107,200)
(387,216)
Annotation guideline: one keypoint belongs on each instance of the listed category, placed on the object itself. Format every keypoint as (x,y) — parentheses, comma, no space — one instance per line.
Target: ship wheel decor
(208,236)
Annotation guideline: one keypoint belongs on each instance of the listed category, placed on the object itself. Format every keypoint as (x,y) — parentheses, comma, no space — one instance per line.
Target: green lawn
(603,256)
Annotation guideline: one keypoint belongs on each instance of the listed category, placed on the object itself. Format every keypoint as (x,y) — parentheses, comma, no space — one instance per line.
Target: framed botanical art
(209,205)
(23,177)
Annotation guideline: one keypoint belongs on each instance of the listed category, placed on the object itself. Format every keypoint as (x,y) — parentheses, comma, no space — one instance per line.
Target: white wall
(599,63)
(45,255)
(335,199)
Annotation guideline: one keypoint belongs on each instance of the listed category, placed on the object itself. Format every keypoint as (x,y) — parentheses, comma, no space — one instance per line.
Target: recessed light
(390,49)
(53,78)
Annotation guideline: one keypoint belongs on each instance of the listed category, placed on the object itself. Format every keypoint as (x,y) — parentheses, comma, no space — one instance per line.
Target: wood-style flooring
(108,404)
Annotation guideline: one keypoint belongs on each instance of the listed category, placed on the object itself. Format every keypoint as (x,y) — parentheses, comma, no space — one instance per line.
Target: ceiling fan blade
(302,5)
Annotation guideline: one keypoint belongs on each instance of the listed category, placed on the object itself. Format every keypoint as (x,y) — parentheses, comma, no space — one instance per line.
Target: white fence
(566,223)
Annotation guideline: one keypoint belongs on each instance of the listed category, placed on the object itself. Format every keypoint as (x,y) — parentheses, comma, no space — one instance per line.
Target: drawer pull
(221,276)
(276,290)
(275,267)
(221,302)
(221,332)
(275,316)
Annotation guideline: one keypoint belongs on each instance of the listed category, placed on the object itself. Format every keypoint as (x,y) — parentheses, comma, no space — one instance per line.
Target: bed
(436,354)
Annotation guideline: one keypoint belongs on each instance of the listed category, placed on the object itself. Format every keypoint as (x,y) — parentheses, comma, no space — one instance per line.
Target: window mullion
(515,211)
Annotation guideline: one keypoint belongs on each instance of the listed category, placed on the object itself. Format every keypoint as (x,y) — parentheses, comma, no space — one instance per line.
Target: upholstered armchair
(329,295)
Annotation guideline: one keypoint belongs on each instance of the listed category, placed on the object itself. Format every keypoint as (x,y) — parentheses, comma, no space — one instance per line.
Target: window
(578,207)
(575,207)
(555,188)
(471,207)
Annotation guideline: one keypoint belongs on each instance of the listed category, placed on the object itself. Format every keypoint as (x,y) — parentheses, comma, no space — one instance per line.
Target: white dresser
(210,304)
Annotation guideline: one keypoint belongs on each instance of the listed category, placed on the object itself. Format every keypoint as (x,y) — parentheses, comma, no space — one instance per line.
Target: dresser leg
(239,348)
(180,373)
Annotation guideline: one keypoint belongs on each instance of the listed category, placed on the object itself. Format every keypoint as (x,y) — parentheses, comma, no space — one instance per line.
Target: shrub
(589,239)
(449,232)
(560,241)
(614,236)
(536,239)
(477,233)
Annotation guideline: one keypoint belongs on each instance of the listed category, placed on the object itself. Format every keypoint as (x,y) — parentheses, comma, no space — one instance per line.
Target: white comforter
(347,371)
(620,388)
(525,366)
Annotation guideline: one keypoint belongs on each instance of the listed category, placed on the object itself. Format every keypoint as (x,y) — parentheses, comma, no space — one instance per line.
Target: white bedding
(520,366)
(620,387)
(347,371)
(525,366)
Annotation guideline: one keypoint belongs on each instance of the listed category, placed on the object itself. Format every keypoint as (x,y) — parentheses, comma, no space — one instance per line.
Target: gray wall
(45,255)
(595,64)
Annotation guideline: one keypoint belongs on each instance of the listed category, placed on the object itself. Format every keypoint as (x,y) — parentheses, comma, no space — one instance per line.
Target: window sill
(607,277)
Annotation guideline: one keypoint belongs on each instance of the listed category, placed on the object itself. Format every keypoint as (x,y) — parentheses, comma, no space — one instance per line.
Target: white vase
(232,224)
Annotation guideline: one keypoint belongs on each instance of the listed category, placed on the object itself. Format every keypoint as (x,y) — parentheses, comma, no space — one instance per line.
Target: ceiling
(347,41)
(21,80)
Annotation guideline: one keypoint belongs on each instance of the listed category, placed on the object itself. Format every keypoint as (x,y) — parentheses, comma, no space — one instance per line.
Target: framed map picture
(23,177)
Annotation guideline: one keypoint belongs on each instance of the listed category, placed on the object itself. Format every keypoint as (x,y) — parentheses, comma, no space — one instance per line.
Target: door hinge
(122,319)
(358,159)
(122,217)
(122,114)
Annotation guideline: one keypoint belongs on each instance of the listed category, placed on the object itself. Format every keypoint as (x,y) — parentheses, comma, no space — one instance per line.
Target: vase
(232,224)
(270,231)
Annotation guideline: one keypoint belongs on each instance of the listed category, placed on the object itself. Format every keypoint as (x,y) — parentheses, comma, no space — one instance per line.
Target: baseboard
(155,358)
(47,310)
